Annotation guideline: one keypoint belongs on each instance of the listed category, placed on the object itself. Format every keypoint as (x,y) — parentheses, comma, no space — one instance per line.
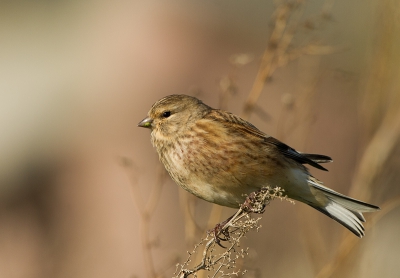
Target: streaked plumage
(220,157)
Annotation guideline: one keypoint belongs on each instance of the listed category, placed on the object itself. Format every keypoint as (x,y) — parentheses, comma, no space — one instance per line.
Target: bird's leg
(254,203)
(219,230)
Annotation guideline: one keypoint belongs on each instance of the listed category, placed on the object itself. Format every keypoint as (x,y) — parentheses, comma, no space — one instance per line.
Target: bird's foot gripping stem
(253,203)
(220,232)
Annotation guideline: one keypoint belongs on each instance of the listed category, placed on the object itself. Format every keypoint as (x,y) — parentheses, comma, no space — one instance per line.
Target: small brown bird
(220,157)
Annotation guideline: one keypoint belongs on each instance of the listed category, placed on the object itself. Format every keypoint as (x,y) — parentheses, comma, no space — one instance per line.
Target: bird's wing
(319,158)
(246,127)
(310,159)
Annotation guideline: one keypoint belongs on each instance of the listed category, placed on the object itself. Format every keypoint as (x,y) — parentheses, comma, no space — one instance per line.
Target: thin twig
(266,68)
(146,210)
(279,51)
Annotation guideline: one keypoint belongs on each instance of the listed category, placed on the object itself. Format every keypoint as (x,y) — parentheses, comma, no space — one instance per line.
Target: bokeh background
(82,193)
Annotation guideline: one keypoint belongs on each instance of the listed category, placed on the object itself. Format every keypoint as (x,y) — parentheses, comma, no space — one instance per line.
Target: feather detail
(345,210)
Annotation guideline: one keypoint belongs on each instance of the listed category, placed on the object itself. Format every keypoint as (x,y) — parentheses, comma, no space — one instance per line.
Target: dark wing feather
(319,158)
(245,126)
(299,157)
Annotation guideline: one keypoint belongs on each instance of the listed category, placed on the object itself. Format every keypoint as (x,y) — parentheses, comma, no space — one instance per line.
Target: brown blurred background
(82,193)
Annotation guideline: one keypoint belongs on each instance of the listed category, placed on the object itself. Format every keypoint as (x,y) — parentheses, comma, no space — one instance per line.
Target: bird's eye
(166,114)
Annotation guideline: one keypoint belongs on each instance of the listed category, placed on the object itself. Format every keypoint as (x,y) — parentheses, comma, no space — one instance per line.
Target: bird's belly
(229,195)
(226,190)
(225,182)
(210,182)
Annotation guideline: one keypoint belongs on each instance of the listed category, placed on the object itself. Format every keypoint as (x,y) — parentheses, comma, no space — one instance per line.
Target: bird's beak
(146,122)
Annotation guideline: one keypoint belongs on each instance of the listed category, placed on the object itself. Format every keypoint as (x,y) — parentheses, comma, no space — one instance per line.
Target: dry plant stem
(187,205)
(349,243)
(277,53)
(237,226)
(373,161)
(376,154)
(381,100)
(203,265)
(145,213)
(238,215)
(266,68)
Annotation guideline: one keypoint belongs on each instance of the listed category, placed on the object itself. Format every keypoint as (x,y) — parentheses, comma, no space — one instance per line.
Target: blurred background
(82,193)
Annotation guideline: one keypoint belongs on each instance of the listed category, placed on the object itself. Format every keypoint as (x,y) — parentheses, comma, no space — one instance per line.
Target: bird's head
(173,114)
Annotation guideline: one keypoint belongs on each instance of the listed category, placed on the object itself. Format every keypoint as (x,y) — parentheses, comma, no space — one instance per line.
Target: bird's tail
(345,210)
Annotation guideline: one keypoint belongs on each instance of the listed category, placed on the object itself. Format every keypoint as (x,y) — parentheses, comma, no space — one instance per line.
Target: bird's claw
(251,204)
(220,233)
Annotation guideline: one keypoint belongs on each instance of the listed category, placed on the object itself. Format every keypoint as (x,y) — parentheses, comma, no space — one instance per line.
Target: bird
(222,158)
